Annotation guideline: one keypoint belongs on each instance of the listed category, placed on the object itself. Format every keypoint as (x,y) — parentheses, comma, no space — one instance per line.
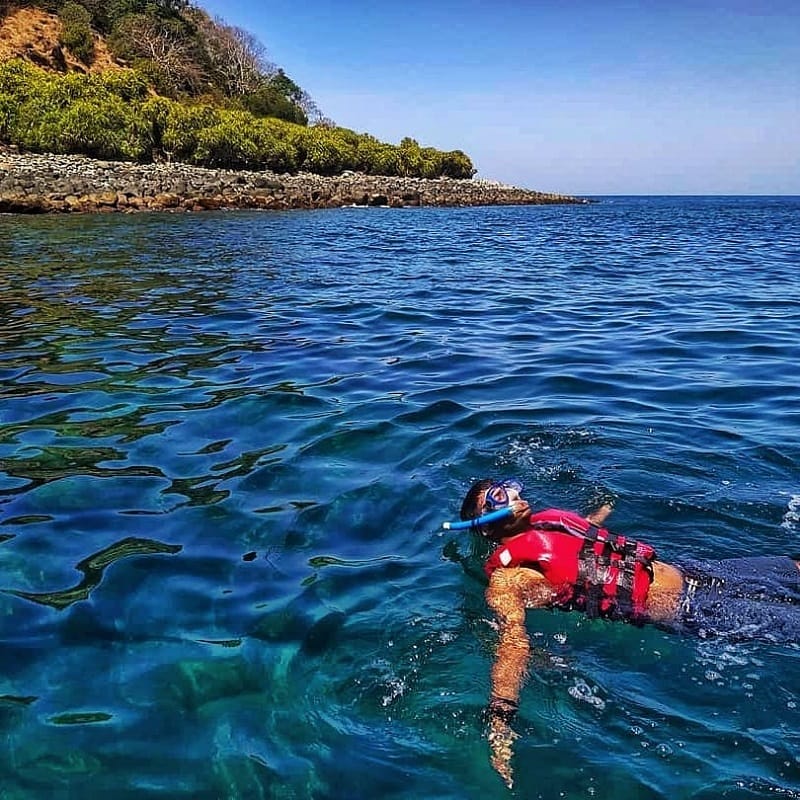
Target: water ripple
(295,402)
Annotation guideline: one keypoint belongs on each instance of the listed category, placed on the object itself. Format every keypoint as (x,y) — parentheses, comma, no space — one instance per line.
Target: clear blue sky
(578,96)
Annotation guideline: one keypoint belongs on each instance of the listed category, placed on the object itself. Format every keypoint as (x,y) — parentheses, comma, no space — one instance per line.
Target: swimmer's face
(501,495)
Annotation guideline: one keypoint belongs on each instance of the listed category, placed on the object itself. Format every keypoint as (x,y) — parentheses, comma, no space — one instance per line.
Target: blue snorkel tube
(484,519)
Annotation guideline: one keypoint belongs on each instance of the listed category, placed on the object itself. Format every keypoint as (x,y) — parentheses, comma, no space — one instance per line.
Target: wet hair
(470,508)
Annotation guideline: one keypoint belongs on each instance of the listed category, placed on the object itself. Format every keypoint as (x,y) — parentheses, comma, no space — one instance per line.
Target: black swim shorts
(741,599)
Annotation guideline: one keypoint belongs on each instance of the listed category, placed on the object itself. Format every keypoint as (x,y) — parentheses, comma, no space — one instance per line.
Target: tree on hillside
(184,52)
(238,61)
(269,102)
(173,6)
(167,55)
(107,13)
(155,8)
(288,88)
(76,31)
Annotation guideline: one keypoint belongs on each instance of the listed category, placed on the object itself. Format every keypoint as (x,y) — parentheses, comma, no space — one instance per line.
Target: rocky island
(92,120)
(43,183)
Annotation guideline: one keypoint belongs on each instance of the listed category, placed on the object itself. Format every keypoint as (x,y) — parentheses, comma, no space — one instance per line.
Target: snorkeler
(560,560)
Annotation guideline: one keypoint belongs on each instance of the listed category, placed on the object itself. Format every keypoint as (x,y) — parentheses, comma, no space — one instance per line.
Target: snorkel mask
(496,506)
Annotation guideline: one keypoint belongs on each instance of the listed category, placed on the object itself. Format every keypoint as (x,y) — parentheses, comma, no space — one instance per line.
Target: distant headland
(151,104)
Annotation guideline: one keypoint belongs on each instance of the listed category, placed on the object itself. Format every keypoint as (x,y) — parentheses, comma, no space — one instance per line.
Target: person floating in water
(561,560)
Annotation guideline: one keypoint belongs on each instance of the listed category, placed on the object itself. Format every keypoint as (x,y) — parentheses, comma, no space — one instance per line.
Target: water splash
(791,518)
(584,693)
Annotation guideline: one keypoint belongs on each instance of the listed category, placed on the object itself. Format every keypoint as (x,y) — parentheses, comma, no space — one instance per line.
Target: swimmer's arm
(600,515)
(510,593)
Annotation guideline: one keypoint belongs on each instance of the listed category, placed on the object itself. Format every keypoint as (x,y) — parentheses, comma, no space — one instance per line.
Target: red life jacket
(590,568)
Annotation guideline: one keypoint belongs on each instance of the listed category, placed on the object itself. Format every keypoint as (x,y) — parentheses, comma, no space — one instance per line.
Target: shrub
(240,141)
(50,6)
(114,115)
(182,129)
(20,78)
(386,161)
(409,158)
(269,102)
(104,130)
(38,101)
(16,77)
(98,12)
(9,106)
(152,122)
(375,157)
(76,31)
(275,146)
(431,161)
(89,114)
(128,84)
(323,151)
(228,143)
(457,164)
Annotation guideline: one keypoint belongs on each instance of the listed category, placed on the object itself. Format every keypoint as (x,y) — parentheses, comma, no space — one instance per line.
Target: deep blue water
(228,442)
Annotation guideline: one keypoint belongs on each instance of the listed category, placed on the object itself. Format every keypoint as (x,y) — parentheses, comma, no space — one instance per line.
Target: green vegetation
(76,33)
(115,115)
(197,90)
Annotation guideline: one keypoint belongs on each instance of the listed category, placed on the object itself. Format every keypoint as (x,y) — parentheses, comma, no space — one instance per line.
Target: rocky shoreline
(35,184)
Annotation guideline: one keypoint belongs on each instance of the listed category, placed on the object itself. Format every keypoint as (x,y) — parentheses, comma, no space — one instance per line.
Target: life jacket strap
(607,568)
(614,573)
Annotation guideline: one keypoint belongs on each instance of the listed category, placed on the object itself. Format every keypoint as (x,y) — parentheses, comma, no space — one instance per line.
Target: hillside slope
(151,80)
(33,34)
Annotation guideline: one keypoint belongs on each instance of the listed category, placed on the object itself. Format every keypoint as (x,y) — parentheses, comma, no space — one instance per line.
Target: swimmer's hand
(500,713)
(450,552)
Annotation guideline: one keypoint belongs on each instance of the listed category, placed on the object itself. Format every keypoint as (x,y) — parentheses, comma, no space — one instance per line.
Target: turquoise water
(228,442)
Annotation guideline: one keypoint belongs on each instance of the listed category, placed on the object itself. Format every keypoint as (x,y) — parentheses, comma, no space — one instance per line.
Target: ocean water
(228,442)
